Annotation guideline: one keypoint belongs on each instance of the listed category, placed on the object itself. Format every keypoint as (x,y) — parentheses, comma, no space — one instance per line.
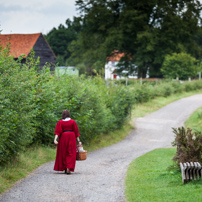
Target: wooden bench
(190,171)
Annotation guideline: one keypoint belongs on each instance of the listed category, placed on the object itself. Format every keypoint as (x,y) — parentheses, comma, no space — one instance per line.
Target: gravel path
(101,177)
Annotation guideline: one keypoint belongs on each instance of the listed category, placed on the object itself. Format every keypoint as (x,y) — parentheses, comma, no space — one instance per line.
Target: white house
(111,66)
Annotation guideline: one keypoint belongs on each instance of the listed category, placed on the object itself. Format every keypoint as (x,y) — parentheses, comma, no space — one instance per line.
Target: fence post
(199,75)
(140,80)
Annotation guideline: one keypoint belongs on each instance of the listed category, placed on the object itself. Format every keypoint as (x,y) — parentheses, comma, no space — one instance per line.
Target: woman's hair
(65,114)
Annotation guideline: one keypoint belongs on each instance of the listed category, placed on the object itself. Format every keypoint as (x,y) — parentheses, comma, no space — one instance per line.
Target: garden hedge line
(31,103)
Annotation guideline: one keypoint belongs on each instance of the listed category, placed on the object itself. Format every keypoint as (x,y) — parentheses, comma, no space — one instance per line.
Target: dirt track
(101,177)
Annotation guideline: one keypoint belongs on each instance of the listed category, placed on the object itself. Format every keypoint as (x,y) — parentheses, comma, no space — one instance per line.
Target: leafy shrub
(189,145)
(15,107)
(181,65)
(189,86)
(31,103)
(142,93)
(177,87)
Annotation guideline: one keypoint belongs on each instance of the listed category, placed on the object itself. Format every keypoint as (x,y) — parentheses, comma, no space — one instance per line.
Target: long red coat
(66,148)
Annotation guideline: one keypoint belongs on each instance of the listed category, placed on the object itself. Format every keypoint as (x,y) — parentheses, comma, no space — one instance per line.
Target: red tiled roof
(19,43)
(115,56)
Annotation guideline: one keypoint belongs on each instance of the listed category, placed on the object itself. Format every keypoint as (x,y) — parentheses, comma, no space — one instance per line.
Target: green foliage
(16,86)
(155,29)
(31,103)
(181,65)
(60,38)
(189,145)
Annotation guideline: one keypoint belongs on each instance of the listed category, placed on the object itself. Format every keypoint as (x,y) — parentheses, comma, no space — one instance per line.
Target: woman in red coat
(67,131)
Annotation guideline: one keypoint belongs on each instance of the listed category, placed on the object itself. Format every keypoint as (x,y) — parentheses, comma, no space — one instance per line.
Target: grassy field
(36,156)
(149,180)
(152,177)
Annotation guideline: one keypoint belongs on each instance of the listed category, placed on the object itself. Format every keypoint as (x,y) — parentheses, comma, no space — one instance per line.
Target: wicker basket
(81,156)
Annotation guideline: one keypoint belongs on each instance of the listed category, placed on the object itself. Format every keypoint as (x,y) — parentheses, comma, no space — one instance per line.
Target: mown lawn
(149,179)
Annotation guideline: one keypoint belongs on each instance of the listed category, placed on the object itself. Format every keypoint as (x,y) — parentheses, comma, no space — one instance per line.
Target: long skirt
(66,152)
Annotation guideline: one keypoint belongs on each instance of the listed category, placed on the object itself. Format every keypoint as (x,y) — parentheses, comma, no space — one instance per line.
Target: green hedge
(31,103)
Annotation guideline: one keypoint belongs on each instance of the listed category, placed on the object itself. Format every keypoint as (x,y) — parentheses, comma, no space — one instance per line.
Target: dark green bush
(15,107)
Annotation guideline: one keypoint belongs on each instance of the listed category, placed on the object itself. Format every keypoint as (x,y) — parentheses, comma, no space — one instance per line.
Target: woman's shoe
(67,171)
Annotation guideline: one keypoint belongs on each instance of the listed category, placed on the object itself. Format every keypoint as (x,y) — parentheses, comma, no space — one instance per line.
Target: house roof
(19,43)
(115,56)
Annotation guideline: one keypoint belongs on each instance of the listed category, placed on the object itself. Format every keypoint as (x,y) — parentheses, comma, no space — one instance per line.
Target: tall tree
(60,38)
(147,30)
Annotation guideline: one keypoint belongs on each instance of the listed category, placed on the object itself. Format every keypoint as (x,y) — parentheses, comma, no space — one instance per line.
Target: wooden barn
(24,43)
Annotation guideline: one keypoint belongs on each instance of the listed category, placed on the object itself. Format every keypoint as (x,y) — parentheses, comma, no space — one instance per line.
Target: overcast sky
(34,16)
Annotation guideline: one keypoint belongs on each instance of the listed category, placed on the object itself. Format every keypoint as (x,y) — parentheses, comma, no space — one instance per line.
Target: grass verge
(111,138)
(195,120)
(36,156)
(24,164)
(142,109)
(148,179)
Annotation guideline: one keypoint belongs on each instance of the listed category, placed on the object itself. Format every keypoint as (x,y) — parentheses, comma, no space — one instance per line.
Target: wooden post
(199,75)
(140,80)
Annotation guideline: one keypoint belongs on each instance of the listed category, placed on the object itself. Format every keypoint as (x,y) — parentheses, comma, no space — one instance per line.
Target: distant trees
(145,30)
(61,37)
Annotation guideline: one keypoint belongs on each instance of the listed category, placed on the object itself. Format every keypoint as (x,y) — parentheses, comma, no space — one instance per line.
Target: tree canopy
(147,30)
(61,37)
(179,65)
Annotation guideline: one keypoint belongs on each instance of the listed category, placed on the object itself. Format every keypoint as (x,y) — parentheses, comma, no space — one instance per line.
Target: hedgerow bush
(31,103)
(177,87)
(16,106)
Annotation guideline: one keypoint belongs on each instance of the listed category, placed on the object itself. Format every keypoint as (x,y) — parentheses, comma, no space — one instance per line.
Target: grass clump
(195,120)
(105,140)
(24,164)
(149,179)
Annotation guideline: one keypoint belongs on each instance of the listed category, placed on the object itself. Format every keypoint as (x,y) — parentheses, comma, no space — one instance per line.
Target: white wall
(110,67)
